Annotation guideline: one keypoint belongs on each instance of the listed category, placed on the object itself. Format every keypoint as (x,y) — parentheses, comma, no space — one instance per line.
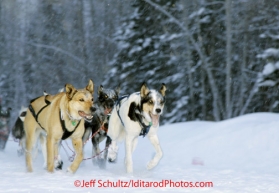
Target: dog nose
(110,103)
(158,110)
(92,109)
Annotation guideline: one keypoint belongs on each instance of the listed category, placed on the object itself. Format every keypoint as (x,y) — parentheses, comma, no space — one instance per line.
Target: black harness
(144,128)
(66,133)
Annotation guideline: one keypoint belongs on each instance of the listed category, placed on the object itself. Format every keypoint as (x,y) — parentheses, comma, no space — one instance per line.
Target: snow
(236,155)
(270,52)
(268,69)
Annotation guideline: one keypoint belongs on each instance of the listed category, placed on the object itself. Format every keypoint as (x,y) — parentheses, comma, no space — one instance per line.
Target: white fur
(117,132)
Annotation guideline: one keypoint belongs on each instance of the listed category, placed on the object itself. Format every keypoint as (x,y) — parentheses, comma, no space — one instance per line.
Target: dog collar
(73,121)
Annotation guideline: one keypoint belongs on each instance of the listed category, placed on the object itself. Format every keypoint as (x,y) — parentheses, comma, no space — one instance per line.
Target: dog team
(74,114)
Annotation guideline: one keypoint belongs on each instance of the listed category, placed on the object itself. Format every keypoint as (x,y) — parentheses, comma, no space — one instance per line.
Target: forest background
(218,58)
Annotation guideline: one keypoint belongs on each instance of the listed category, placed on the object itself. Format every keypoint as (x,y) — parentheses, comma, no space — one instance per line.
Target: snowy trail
(238,155)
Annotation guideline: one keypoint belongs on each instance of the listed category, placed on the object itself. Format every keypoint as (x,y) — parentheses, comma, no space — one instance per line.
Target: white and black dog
(134,115)
(99,124)
(18,130)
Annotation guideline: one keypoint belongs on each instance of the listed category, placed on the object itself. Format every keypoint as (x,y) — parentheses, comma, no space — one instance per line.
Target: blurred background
(218,58)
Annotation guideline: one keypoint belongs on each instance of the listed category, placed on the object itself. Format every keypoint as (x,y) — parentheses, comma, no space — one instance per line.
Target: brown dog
(61,116)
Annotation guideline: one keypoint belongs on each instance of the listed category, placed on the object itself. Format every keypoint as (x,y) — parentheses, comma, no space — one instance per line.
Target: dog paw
(112,154)
(151,165)
(94,161)
(69,171)
(102,163)
(20,152)
(129,170)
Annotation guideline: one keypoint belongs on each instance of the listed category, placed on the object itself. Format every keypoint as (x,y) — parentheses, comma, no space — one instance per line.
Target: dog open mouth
(84,115)
(155,119)
(107,110)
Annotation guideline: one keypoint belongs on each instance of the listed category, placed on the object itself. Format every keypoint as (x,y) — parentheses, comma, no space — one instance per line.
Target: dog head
(152,103)
(80,101)
(107,98)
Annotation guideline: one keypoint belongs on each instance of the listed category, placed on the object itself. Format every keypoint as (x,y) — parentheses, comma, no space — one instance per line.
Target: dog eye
(106,96)
(81,100)
(150,102)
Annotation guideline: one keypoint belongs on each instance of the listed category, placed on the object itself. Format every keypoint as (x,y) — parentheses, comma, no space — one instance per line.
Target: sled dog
(99,124)
(135,115)
(19,134)
(55,117)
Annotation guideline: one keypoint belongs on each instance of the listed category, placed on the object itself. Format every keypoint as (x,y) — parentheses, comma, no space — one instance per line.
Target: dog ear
(90,86)
(100,89)
(163,89)
(117,90)
(144,90)
(70,91)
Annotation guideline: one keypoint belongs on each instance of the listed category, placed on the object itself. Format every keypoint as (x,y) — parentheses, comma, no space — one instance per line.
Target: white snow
(236,155)
(270,52)
(268,69)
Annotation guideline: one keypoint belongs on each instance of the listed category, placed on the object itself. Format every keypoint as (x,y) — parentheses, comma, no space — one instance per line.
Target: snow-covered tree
(268,79)
(147,52)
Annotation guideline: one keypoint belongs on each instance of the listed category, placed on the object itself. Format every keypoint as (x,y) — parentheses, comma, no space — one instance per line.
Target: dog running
(55,117)
(135,115)
(98,126)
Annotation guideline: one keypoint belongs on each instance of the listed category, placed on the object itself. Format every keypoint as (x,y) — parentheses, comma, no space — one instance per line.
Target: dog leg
(155,142)
(102,161)
(21,148)
(30,128)
(95,150)
(28,152)
(128,157)
(50,153)
(134,144)
(77,144)
(108,142)
(44,149)
(112,151)
(58,163)
(86,135)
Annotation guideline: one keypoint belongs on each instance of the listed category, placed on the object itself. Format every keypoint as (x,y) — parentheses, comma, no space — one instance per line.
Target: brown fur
(70,102)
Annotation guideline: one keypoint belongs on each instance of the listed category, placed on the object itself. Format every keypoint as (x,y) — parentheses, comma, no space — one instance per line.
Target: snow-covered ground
(236,155)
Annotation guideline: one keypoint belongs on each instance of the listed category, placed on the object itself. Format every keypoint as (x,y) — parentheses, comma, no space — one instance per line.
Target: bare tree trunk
(20,59)
(189,63)
(228,58)
(203,100)
(244,60)
(207,67)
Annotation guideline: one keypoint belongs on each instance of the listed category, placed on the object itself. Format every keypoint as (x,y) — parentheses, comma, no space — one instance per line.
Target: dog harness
(118,104)
(144,128)
(66,133)
(33,111)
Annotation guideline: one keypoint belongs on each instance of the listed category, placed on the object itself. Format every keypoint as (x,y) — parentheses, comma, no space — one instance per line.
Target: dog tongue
(155,119)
